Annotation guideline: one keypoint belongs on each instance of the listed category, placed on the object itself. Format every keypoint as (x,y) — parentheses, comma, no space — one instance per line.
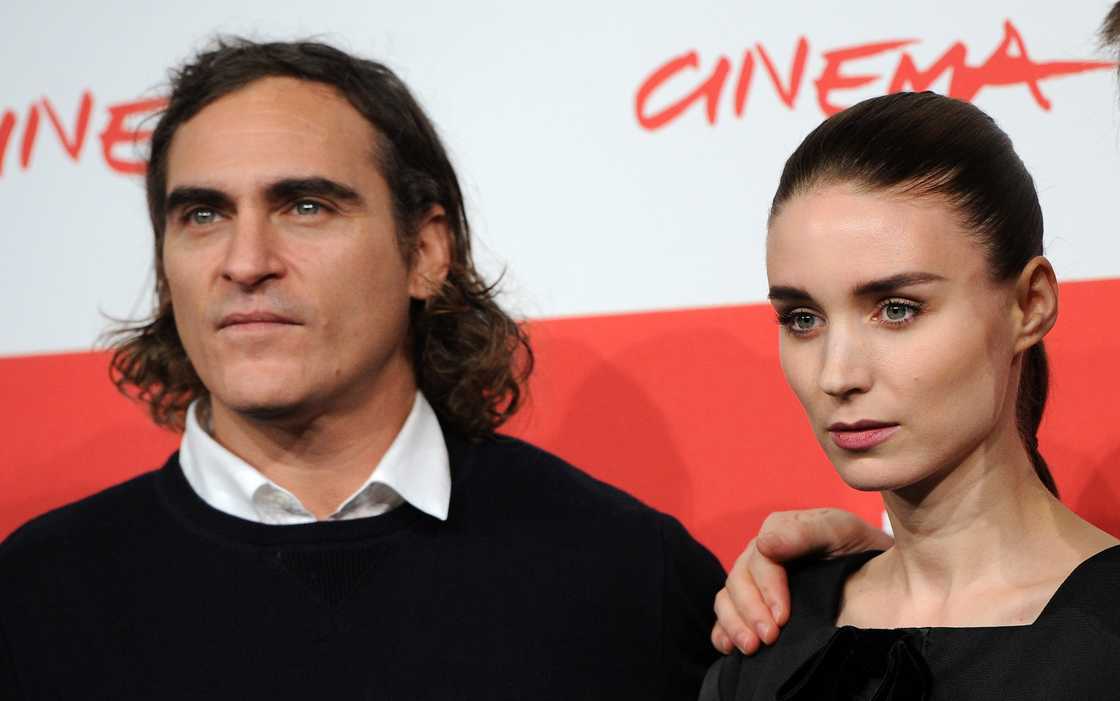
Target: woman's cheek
(799,363)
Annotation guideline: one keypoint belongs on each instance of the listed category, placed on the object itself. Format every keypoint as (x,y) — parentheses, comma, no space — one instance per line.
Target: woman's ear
(1036,303)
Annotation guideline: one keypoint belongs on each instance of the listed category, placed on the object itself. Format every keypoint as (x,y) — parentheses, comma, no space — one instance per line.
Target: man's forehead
(272,129)
(282,92)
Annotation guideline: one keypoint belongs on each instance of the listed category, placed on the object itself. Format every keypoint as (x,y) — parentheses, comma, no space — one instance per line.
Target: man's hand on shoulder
(754,603)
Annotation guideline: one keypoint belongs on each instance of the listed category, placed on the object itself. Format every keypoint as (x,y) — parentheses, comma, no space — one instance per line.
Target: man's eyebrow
(894,282)
(205,196)
(294,188)
(781,293)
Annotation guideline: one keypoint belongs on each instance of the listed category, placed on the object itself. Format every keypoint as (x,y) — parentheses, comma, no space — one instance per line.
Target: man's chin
(271,412)
(265,407)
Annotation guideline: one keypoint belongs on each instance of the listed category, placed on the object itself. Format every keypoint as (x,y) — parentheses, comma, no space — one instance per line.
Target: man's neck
(321,454)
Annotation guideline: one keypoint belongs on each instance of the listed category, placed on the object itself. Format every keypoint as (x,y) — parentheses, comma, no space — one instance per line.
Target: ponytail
(1034,385)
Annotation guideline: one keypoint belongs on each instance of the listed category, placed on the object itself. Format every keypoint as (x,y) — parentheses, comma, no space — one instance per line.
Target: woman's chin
(874,475)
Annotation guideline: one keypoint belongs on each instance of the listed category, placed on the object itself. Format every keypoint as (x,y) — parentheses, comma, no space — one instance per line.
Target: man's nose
(845,368)
(252,255)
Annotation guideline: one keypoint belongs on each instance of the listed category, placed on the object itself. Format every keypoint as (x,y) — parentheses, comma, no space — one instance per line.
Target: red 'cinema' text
(1009,64)
(118,139)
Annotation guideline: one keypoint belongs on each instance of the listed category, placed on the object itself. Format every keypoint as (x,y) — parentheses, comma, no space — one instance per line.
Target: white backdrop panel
(590,212)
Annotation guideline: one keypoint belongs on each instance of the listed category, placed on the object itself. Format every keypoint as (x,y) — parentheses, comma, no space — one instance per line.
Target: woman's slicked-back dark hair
(927,145)
(471,359)
(1110,29)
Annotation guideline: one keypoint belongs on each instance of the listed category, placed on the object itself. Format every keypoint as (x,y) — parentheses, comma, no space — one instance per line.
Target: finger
(788,535)
(773,586)
(740,633)
(720,641)
(749,604)
(851,532)
(874,539)
(792,534)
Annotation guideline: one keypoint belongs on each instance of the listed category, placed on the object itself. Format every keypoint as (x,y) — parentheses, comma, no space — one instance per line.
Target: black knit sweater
(543,583)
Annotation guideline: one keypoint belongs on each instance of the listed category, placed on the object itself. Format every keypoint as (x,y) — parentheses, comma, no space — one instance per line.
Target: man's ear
(1036,303)
(431,255)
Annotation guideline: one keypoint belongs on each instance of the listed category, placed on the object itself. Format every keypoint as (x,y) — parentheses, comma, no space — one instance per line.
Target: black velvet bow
(856,664)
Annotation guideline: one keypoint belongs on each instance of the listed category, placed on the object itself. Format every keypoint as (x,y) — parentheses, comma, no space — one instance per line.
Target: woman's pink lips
(863,438)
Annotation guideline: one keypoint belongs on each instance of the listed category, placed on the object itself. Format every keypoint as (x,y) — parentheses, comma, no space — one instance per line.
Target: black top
(1071,652)
(543,583)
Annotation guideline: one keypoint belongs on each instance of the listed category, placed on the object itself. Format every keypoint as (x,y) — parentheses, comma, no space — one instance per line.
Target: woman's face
(893,335)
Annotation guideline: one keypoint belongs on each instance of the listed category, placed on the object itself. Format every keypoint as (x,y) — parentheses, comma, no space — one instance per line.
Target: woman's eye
(898,312)
(799,323)
(803,322)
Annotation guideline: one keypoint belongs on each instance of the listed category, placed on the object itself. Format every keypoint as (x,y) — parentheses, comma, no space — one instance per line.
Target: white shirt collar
(415,468)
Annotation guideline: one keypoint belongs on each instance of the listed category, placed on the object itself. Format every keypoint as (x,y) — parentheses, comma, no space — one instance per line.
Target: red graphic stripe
(688,410)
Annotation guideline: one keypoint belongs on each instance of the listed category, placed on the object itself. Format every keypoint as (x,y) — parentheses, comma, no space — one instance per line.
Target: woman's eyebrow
(782,293)
(894,282)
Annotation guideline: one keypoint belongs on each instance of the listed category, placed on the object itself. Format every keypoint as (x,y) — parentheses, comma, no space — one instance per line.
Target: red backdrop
(687,410)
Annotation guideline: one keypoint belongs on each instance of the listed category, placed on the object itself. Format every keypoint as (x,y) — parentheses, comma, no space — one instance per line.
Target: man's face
(289,290)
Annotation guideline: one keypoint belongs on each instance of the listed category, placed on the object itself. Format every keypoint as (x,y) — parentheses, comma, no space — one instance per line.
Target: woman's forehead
(843,235)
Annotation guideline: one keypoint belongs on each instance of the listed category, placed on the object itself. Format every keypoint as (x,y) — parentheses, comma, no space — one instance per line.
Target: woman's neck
(983,543)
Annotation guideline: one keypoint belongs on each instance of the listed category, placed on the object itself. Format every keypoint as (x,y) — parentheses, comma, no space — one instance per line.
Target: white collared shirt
(415,469)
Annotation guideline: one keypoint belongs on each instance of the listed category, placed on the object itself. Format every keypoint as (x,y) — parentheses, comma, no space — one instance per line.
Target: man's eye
(201,216)
(307,208)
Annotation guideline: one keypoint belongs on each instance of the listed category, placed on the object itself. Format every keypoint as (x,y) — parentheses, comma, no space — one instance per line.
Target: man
(755,603)
(341,520)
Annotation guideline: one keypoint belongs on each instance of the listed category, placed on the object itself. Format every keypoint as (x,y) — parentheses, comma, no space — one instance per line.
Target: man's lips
(861,435)
(255,319)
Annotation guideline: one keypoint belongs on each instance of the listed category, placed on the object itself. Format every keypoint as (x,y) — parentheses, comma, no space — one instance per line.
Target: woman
(905,264)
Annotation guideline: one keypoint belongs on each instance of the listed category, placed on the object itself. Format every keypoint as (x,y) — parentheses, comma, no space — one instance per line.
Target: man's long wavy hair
(471,359)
